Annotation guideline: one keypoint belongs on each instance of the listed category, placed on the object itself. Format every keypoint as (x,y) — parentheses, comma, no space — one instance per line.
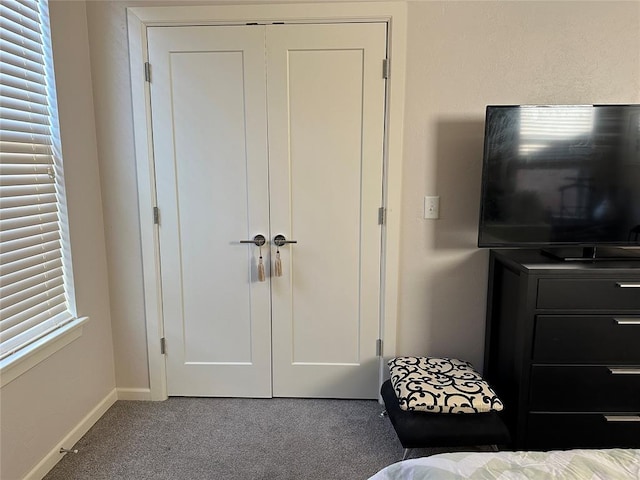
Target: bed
(607,464)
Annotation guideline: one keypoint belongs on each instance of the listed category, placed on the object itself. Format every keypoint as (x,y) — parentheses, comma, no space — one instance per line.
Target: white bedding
(610,464)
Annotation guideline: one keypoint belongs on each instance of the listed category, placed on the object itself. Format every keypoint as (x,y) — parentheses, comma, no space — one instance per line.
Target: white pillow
(441,385)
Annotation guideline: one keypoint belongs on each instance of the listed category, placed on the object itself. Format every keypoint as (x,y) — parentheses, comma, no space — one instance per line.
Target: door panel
(209,120)
(326,129)
(317,180)
(328,248)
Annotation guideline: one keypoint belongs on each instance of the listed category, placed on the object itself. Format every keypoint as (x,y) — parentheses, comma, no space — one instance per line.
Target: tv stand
(562,350)
(591,254)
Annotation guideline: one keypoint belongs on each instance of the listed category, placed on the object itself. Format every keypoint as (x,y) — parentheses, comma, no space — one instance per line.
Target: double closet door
(269,130)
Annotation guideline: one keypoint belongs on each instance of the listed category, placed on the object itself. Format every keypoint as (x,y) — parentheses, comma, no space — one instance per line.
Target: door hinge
(382,216)
(379,347)
(147,72)
(163,346)
(385,68)
(156,216)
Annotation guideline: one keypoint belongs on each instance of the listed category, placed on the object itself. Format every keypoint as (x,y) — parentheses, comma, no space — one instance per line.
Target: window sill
(15,365)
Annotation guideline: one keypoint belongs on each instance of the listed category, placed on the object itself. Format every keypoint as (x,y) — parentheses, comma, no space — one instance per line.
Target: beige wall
(461,57)
(114,124)
(39,408)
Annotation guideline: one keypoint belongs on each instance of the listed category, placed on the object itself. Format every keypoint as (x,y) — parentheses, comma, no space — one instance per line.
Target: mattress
(607,464)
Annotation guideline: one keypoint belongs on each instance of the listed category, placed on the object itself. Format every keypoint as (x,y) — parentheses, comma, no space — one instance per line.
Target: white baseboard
(134,394)
(54,456)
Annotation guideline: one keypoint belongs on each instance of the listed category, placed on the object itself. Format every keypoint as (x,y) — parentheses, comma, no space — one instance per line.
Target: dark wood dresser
(562,349)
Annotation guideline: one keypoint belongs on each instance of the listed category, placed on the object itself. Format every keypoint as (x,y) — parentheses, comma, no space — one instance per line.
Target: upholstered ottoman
(441,402)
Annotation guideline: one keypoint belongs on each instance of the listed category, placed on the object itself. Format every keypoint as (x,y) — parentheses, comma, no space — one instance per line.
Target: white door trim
(139,18)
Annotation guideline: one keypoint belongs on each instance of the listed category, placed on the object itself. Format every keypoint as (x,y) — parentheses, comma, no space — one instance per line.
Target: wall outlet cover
(432,207)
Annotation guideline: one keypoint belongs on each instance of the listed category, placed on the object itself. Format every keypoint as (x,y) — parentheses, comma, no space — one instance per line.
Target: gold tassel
(278,265)
(261,276)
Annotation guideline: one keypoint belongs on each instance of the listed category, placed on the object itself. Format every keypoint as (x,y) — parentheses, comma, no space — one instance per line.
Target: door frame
(139,18)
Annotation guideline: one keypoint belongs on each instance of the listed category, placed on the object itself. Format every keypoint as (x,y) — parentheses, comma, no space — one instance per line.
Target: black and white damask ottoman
(441,402)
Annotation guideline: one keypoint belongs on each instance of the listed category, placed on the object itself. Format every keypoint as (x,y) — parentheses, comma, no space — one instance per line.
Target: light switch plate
(432,207)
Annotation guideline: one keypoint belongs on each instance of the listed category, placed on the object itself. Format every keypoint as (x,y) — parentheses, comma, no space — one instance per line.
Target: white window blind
(34,262)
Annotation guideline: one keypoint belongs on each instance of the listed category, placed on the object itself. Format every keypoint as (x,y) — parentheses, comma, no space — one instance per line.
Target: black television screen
(561,175)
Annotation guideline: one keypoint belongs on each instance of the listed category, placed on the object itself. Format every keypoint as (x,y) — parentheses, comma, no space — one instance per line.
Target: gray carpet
(229,439)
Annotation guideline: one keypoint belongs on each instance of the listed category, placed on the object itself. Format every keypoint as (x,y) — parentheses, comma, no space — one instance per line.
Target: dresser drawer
(552,431)
(585,388)
(589,294)
(587,339)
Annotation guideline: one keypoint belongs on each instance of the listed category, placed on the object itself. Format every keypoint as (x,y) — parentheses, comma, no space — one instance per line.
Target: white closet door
(326,97)
(208,105)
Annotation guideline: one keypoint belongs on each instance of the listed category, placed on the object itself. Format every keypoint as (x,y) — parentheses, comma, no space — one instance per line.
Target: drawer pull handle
(624,371)
(627,321)
(627,285)
(622,418)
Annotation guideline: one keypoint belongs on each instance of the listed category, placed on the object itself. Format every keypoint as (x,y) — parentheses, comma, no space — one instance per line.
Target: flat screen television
(561,176)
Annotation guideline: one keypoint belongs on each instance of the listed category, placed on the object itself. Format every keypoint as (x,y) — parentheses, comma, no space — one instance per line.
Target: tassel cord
(261,275)
(278,265)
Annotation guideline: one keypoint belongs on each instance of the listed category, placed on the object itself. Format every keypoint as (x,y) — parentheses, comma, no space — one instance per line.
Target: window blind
(34,268)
